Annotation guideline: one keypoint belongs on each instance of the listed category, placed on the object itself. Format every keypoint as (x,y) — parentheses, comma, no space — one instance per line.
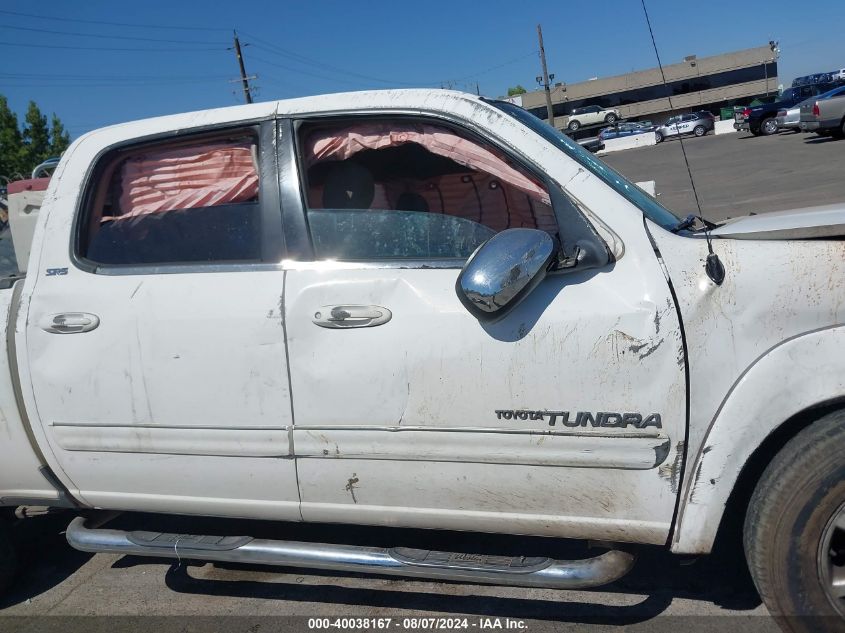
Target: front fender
(794,375)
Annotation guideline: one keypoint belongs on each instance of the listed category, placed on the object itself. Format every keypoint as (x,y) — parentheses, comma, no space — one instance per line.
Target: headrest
(410,201)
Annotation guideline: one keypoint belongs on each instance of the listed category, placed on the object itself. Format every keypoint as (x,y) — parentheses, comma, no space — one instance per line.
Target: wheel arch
(752,425)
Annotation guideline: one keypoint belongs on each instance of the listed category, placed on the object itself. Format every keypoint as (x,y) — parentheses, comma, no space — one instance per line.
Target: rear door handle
(69,322)
(351,316)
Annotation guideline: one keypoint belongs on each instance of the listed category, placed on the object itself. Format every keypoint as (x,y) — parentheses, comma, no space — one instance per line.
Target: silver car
(790,119)
(697,123)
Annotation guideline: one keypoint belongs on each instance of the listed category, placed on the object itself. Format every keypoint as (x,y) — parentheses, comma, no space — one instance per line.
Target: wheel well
(733,517)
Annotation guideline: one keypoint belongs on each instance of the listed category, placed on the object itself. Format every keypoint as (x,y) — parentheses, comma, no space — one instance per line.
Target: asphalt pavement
(64,590)
(737,174)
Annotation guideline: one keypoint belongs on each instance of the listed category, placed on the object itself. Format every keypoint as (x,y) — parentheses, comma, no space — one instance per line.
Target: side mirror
(503,270)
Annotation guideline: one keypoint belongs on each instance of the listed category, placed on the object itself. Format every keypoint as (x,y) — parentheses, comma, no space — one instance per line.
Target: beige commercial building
(697,83)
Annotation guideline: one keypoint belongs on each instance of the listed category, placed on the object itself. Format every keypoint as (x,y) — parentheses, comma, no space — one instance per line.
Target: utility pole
(546,77)
(244,78)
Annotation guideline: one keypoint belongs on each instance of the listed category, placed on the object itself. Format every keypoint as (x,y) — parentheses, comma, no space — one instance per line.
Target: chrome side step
(399,561)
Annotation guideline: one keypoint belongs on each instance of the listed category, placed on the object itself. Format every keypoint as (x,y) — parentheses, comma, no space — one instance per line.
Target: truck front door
(564,418)
(154,341)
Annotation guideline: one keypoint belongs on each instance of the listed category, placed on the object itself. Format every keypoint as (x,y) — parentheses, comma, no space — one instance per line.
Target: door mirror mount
(504,270)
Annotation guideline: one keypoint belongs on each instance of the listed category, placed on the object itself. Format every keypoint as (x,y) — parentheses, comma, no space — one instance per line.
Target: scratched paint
(773,291)
(607,340)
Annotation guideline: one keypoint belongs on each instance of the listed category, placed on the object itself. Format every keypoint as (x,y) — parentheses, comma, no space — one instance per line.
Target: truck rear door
(154,338)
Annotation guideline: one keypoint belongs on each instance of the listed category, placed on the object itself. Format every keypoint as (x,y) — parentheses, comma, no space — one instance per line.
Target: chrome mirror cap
(503,270)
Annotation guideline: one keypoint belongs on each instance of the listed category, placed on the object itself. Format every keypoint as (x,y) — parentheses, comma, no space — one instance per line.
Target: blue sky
(327,46)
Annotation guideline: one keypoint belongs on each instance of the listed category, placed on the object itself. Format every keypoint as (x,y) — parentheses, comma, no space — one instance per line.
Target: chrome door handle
(351,316)
(69,322)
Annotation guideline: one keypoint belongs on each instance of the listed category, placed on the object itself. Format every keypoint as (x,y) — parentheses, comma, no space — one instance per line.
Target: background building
(706,83)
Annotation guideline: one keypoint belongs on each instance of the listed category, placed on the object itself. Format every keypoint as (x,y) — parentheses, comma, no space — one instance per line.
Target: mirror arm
(563,261)
(581,248)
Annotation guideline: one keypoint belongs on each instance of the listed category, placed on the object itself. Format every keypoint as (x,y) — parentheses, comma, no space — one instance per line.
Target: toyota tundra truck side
(421,308)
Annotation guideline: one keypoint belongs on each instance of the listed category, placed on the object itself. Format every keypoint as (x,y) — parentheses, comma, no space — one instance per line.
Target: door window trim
(271,229)
(297,234)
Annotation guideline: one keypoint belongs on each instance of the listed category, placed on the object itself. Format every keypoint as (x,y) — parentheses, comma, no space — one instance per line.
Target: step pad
(479,562)
(187,541)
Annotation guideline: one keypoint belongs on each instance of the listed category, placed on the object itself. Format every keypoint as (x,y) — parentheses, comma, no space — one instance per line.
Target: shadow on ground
(45,560)
(658,576)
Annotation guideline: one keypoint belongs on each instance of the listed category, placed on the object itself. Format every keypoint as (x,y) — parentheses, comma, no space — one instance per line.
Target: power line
(302,72)
(83,84)
(67,77)
(328,67)
(496,67)
(302,59)
(140,26)
(109,48)
(278,50)
(99,36)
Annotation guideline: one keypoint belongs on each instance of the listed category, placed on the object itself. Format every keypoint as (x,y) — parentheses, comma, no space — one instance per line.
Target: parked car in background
(790,119)
(590,115)
(624,129)
(825,115)
(696,123)
(762,119)
(591,143)
(817,78)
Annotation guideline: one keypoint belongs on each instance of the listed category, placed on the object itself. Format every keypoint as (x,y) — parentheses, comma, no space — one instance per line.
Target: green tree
(59,137)
(36,136)
(11,145)
(22,149)
(516,90)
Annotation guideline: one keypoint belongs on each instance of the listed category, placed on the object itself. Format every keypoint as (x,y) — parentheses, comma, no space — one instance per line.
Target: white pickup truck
(421,308)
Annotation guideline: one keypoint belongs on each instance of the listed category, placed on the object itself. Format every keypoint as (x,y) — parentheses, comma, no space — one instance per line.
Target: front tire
(658,137)
(794,535)
(8,557)
(574,125)
(610,119)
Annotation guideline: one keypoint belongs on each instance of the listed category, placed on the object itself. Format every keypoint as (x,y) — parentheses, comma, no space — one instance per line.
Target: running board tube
(516,571)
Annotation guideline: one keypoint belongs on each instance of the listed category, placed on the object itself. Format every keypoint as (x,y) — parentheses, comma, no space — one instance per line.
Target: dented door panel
(576,393)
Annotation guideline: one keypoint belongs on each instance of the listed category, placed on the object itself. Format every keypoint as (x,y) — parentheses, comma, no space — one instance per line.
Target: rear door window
(175,202)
